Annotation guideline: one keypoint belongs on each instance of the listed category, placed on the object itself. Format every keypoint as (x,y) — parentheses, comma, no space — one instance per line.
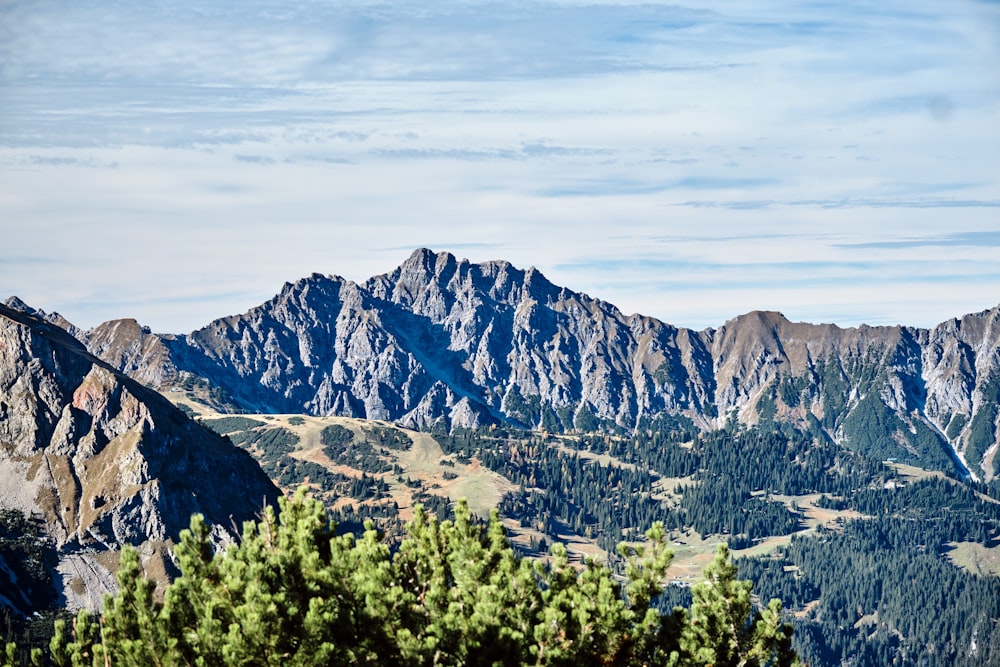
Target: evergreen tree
(722,629)
(292,592)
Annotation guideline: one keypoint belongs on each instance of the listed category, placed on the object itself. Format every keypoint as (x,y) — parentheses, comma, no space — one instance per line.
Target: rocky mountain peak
(444,340)
(15,303)
(102,460)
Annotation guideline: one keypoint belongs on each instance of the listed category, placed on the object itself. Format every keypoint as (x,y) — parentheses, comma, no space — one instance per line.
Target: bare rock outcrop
(441,340)
(101,460)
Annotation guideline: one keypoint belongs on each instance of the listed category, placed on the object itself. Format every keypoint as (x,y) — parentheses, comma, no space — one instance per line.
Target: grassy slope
(483,489)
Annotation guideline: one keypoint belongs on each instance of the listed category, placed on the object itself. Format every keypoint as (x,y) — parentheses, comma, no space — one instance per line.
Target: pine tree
(723,630)
(292,592)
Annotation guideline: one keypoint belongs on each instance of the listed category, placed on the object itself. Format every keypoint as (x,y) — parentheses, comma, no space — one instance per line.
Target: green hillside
(862,553)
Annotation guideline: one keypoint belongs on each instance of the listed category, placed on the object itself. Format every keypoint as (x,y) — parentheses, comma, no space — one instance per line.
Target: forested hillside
(874,562)
(871,559)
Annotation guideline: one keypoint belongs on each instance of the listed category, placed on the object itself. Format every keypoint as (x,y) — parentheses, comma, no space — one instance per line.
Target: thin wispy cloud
(938,202)
(989,239)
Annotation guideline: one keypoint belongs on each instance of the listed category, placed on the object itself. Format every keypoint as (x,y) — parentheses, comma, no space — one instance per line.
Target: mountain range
(790,441)
(443,342)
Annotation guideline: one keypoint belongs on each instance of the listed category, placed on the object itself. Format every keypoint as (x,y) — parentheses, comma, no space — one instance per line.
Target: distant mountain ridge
(99,460)
(443,341)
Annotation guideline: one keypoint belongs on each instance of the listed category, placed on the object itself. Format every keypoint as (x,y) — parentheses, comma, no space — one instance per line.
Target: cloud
(603,188)
(254,159)
(526,151)
(944,202)
(961,239)
(617,187)
(721,183)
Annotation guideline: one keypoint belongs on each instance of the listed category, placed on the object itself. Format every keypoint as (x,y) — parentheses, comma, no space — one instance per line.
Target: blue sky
(179,161)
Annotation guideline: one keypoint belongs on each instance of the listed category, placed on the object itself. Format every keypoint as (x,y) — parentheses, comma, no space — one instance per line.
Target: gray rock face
(103,461)
(443,340)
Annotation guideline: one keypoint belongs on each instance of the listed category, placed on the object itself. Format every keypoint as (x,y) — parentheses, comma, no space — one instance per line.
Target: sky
(179,161)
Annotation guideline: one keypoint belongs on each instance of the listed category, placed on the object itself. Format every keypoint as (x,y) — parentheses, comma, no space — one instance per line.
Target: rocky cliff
(443,340)
(99,460)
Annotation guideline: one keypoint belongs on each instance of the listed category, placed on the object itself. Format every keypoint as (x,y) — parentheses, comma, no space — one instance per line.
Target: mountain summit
(443,341)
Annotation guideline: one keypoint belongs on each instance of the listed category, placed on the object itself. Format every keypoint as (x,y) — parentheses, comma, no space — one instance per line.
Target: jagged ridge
(443,340)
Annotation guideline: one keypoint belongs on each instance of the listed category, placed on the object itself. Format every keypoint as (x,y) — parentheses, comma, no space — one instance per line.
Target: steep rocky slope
(100,460)
(444,340)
